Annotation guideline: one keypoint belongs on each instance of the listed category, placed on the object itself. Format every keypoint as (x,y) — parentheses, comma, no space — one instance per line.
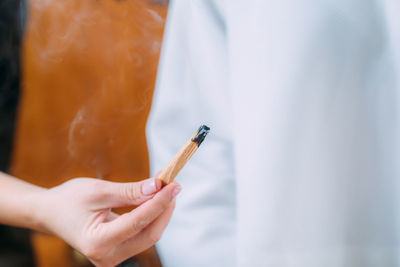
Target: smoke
(59,25)
(102,57)
(76,122)
(70,21)
(156,17)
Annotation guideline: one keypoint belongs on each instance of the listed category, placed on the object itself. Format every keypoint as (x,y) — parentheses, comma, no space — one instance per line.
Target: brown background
(88,75)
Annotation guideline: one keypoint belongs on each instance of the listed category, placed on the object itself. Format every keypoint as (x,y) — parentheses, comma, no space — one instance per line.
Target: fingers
(130,194)
(147,238)
(130,224)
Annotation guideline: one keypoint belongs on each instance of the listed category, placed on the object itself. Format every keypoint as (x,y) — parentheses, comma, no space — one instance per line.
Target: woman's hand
(79,211)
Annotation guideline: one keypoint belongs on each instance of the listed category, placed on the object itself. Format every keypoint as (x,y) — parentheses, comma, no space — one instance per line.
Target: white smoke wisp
(156,17)
(64,28)
(76,122)
(66,34)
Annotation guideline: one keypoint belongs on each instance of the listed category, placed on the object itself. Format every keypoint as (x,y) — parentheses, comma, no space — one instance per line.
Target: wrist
(20,203)
(36,203)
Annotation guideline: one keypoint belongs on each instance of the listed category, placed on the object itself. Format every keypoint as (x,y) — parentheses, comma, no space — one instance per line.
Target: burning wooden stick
(184,154)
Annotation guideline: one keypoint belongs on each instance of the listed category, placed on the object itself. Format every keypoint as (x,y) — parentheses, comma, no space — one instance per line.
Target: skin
(80,212)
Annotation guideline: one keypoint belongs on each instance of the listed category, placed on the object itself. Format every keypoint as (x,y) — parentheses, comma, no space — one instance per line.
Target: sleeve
(192,90)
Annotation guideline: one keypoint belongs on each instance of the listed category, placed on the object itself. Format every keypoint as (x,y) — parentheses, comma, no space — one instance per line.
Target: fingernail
(149,187)
(176,191)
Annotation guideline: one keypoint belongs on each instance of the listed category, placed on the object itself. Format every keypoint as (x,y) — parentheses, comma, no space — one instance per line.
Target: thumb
(132,194)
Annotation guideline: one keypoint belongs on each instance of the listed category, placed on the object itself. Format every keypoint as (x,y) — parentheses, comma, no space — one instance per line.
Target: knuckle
(139,225)
(97,188)
(130,192)
(164,204)
(94,191)
(154,236)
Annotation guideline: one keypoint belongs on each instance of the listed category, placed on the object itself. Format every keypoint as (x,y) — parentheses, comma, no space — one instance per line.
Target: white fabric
(301,166)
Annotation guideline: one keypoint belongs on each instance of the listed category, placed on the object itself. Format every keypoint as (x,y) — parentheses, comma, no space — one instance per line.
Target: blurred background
(76,84)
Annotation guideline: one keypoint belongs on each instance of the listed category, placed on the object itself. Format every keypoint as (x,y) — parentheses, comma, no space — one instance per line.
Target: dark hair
(12,18)
(15,247)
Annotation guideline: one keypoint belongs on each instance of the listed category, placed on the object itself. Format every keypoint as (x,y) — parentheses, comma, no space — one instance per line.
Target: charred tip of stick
(201,135)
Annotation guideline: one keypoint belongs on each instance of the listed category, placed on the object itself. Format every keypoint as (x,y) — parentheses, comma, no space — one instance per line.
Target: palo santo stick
(184,154)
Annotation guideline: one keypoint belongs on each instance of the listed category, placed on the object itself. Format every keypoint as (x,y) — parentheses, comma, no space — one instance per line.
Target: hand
(79,211)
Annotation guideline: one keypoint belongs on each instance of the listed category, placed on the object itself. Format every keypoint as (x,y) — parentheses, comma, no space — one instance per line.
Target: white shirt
(301,167)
